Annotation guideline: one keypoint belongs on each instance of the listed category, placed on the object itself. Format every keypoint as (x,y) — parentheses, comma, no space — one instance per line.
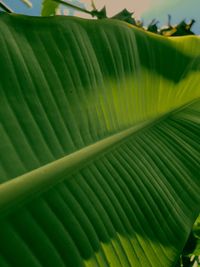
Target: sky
(143,9)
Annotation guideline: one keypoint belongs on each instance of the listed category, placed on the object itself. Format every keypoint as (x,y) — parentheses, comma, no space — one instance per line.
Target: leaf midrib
(28,186)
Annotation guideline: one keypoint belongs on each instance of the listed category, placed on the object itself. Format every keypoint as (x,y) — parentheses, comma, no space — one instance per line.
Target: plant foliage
(100,144)
(181,29)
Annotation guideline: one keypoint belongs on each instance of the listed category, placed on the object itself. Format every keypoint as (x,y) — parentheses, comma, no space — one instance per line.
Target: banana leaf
(99,143)
(49,8)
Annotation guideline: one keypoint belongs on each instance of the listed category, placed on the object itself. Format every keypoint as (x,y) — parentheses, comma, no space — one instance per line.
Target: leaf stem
(73,6)
(5,7)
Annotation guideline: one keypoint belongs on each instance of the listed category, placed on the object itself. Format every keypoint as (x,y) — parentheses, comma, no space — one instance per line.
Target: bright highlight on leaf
(100,144)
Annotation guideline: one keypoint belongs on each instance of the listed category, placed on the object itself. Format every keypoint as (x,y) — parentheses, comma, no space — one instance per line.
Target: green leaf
(100,144)
(196,232)
(125,15)
(196,227)
(101,14)
(49,7)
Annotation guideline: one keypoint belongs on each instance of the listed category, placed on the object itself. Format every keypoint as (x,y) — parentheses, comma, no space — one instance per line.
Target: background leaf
(49,7)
